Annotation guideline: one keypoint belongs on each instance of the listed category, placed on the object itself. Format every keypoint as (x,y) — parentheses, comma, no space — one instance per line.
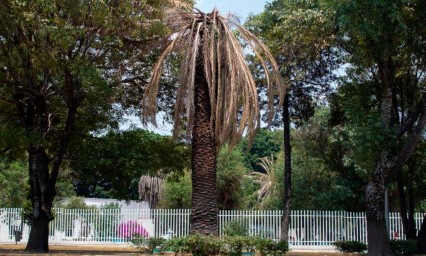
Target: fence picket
(112,226)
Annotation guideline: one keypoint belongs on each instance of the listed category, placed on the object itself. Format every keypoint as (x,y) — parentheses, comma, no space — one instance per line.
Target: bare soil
(82,250)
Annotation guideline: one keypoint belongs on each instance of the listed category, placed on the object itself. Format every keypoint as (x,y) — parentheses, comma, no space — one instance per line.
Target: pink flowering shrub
(130,229)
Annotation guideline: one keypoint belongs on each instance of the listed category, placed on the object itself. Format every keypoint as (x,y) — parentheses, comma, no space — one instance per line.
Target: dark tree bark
(42,178)
(389,162)
(204,193)
(407,216)
(285,219)
(421,238)
(40,199)
(378,238)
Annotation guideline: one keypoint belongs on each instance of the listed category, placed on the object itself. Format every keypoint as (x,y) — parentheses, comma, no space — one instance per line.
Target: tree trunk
(41,200)
(411,230)
(204,217)
(378,238)
(407,216)
(421,238)
(285,219)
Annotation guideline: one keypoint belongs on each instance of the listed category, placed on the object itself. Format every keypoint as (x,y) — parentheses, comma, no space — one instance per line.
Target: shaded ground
(12,249)
(83,250)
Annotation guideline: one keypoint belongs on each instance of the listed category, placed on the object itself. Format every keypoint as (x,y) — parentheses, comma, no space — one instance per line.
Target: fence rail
(112,226)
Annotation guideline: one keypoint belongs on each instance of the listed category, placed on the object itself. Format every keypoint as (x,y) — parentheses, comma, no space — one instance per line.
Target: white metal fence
(114,226)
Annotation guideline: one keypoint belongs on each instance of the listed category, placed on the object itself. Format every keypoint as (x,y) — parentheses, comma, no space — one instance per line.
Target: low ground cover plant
(403,247)
(350,246)
(200,245)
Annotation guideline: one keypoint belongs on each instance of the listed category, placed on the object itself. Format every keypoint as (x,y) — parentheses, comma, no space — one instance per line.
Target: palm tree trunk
(285,219)
(204,193)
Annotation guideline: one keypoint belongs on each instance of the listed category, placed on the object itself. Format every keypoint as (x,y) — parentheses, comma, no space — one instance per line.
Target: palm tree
(216,99)
(266,180)
(149,189)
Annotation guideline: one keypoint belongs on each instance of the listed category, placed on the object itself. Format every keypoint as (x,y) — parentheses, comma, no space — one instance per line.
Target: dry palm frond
(232,89)
(265,180)
(149,189)
(179,4)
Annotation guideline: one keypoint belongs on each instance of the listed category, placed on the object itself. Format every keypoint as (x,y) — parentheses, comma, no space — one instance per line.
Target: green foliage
(201,245)
(155,242)
(177,245)
(176,192)
(403,247)
(228,245)
(231,176)
(266,143)
(350,246)
(76,202)
(236,227)
(139,242)
(235,245)
(270,247)
(14,184)
(322,179)
(115,162)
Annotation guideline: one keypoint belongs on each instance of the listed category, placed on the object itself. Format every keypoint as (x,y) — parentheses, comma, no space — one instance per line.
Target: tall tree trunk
(378,238)
(43,180)
(285,219)
(411,233)
(204,217)
(407,216)
(421,238)
(40,199)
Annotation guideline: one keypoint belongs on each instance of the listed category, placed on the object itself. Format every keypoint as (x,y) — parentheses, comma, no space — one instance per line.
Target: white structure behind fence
(111,226)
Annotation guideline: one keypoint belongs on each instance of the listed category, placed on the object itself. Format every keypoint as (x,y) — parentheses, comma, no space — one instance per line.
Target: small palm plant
(266,180)
(216,98)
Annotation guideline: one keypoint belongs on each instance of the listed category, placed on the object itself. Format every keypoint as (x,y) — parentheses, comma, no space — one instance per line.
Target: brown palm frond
(149,189)
(232,89)
(179,4)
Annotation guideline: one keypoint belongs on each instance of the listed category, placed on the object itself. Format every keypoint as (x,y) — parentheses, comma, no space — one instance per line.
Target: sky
(240,8)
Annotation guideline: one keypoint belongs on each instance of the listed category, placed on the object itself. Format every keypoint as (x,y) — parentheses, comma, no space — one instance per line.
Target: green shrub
(282,247)
(265,246)
(178,245)
(155,242)
(350,246)
(139,242)
(201,245)
(235,245)
(403,247)
(237,227)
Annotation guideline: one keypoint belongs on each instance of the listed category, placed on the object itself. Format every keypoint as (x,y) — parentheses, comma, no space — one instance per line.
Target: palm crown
(232,90)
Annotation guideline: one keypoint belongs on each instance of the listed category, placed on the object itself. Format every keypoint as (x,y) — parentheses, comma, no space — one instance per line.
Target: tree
(265,143)
(268,180)
(300,35)
(384,43)
(13,183)
(217,99)
(112,165)
(231,177)
(176,192)
(60,62)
